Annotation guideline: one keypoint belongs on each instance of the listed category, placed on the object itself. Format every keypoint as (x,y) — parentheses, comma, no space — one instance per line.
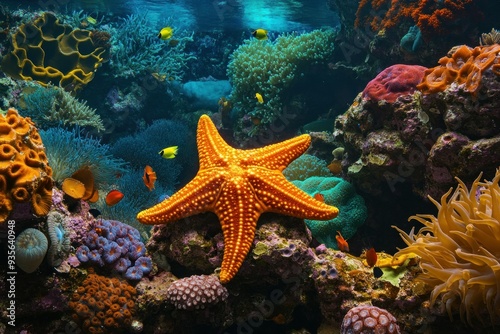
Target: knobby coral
(459,249)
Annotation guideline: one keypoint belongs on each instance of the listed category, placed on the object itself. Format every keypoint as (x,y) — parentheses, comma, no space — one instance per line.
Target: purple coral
(196,292)
(117,245)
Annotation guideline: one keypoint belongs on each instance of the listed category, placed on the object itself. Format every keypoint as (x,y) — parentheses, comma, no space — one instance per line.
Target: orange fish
(113,197)
(371,257)
(341,242)
(149,177)
(320,197)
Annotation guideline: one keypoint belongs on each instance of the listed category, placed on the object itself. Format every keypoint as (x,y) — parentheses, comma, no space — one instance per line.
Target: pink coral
(393,82)
(368,319)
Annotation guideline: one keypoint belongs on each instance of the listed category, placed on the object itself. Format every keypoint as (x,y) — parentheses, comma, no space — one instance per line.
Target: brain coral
(394,81)
(24,172)
(459,249)
(465,67)
(53,53)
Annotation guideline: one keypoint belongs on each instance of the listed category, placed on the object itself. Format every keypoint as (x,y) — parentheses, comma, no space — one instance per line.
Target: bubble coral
(459,249)
(31,247)
(25,175)
(196,292)
(368,319)
(103,305)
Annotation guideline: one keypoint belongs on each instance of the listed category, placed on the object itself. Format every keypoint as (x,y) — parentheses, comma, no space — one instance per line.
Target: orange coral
(24,171)
(431,16)
(465,67)
(103,305)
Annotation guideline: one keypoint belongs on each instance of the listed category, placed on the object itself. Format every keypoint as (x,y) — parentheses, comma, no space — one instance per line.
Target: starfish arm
(238,212)
(278,195)
(211,146)
(196,197)
(278,156)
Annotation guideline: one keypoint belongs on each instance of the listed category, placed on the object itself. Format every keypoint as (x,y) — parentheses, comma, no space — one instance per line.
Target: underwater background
(326,166)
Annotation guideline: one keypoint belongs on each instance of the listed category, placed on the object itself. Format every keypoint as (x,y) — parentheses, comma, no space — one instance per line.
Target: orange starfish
(239,185)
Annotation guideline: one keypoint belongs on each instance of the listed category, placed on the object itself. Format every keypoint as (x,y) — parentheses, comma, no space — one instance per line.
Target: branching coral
(136,49)
(459,249)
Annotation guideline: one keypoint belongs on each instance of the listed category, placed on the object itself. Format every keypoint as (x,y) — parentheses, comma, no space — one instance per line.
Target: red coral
(394,81)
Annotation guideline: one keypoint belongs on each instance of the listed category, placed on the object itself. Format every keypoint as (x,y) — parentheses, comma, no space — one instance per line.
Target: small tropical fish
(259,98)
(91,20)
(260,34)
(320,197)
(113,197)
(169,152)
(149,177)
(341,242)
(166,33)
(377,272)
(159,77)
(371,257)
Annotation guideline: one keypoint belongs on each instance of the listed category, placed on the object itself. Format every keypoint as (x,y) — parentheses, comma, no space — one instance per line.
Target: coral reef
(196,292)
(25,174)
(103,305)
(117,246)
(271,69)
(393,82)
(53,106)
(53,53)
(341,194)
(459,249)
(465,67)
(60,241)
(421,140)
(136,50)
(368,319)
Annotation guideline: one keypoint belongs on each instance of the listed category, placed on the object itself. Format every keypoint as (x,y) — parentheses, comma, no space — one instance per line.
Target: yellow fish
(169,152)
(91,20)
(260,34)
(259,98)
(166,33)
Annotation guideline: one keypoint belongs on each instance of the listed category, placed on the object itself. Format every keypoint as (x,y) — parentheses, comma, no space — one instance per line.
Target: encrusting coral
(53,53)
(24,171)
(459,249)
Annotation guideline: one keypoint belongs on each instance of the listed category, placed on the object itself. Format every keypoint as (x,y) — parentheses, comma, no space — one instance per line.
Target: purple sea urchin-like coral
(82,253)
(111,252)
(122,265)
(134,273)
(145,264)
(368,319)
(196,292)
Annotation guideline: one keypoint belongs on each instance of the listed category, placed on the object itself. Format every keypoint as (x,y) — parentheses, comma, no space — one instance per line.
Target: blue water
(276,15)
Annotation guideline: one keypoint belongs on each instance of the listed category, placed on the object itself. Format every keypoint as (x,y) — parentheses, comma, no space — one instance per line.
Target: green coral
(305,166)
(53,106)
(269,68)
(339,193)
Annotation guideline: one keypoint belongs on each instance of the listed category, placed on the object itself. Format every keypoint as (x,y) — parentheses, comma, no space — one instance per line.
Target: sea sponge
(31,247)
(340,193)
(53,53)
(465,67)
(24,170)
(459,249)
